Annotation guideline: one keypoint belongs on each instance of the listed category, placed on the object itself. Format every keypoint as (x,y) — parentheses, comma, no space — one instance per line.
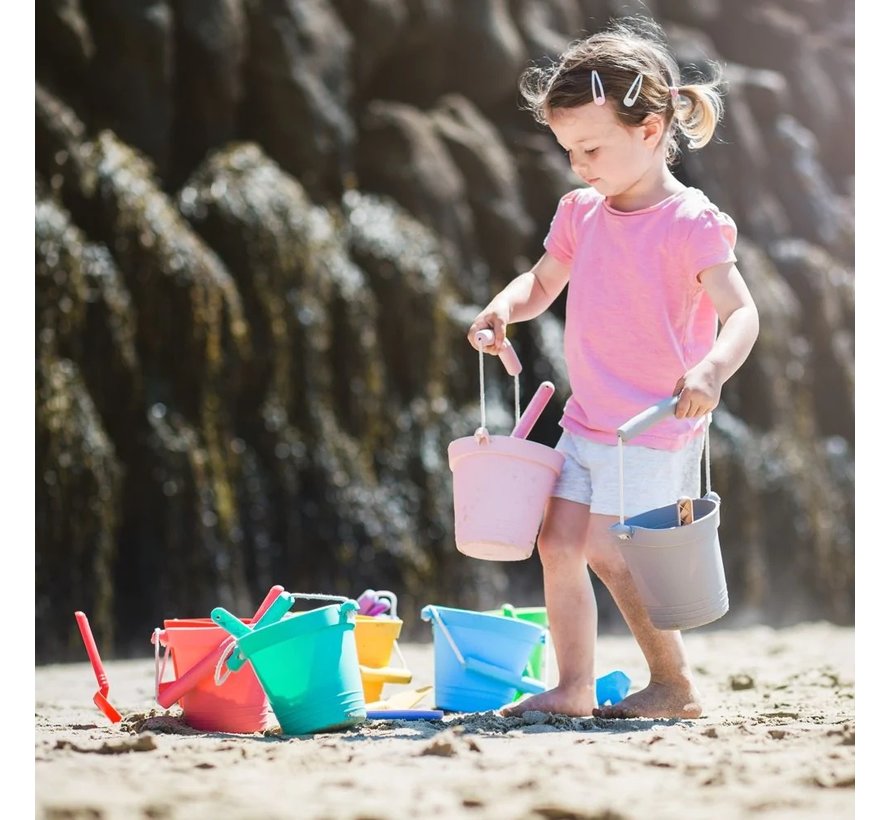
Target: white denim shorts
(652,478)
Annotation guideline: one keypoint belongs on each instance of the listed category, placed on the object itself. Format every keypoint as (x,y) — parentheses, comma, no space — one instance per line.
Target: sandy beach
(777,741)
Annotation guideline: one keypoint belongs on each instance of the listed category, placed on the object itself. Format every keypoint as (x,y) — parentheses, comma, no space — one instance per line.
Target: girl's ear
(652,129)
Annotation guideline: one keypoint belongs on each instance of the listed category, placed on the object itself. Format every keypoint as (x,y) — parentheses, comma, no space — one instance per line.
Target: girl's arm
(699,388)
(526,297)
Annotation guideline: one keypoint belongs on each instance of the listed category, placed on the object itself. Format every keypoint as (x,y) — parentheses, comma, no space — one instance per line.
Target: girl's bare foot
(657,700)
(558,701)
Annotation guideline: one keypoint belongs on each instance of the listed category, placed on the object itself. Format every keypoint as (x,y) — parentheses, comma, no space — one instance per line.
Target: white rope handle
(621,469)
(159,673)
(515,401)
(708,455)
(319,595)
(482,388)
(621,481)
(223,657)
(516,413)
(395,645)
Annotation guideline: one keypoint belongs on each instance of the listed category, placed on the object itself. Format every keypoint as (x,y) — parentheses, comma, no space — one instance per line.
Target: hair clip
(596,87)
(675,93)
(634,91)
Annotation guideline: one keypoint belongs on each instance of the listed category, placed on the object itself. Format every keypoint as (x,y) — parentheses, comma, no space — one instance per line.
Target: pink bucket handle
(507,355)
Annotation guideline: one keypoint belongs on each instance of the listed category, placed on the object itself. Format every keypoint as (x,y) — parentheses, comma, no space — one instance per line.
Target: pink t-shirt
(637,318)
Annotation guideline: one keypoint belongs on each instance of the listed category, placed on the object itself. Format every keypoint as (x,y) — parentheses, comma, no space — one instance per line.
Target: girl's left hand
(699,391)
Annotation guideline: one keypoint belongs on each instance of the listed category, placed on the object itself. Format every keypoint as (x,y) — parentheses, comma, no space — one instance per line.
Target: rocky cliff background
(261,229)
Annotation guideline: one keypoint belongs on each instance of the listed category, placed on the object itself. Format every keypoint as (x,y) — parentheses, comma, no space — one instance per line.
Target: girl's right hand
(493,318)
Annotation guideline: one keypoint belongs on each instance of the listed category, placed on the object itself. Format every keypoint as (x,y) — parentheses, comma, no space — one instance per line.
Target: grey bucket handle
(642,422)
(489,670)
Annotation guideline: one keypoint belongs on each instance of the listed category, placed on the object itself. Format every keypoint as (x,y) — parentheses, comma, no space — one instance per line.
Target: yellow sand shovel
(401,700)
(401,707)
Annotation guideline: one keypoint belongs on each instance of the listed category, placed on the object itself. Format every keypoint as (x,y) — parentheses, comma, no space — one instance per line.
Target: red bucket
(239,704)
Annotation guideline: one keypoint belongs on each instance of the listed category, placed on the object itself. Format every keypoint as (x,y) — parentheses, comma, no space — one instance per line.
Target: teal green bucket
(308,666)
(480,658)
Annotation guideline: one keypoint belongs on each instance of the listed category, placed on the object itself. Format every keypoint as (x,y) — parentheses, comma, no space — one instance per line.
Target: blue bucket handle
(489,670)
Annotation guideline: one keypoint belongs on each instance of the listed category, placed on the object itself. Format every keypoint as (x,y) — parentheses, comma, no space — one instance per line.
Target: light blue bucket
(307,663)
(479,658)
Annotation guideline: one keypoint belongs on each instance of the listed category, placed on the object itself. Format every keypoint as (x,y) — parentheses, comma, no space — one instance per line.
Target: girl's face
(605,153)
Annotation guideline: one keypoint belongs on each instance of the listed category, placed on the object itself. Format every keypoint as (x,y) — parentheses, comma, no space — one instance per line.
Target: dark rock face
(261,231)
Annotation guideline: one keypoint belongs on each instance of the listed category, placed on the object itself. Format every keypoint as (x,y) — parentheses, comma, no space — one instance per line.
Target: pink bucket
(501,487)
(239,704)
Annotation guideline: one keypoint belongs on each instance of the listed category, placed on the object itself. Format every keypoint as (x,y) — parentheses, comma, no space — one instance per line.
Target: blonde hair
(618,54)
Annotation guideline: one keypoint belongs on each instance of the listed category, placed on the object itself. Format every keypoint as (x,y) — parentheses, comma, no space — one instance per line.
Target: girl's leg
(671,691)
(571,611)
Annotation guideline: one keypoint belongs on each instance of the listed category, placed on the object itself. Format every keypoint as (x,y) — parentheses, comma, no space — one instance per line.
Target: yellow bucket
(375,639)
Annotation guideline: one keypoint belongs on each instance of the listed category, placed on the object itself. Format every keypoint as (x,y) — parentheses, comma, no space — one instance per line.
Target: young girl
(650,267)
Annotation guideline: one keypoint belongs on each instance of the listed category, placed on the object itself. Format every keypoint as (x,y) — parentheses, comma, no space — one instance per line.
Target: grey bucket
(678,570)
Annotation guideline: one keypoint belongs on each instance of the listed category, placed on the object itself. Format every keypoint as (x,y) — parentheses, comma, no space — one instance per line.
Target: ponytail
(699,109)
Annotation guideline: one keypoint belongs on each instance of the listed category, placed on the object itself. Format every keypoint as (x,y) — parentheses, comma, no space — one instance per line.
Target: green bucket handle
(279,608)
(521,682)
